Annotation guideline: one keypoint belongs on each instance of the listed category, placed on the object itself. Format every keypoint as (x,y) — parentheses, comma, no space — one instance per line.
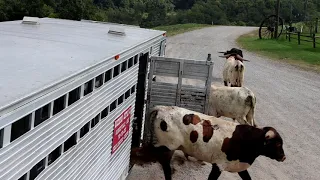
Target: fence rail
(313,37)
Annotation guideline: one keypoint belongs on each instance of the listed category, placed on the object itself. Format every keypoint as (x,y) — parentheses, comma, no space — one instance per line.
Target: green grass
(180,28)
(303,55)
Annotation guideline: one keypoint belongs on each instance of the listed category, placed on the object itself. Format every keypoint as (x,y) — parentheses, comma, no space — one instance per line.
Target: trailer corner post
(208,83)
(146,130)
(178,94)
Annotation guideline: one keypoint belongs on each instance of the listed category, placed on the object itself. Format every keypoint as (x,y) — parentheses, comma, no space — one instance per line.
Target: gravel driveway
(287,99)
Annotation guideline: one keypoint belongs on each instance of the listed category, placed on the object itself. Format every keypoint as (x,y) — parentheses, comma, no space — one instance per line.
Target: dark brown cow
(228,146)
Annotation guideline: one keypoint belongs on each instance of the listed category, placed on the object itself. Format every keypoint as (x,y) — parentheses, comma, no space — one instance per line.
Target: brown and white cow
(237,103)
(228,146)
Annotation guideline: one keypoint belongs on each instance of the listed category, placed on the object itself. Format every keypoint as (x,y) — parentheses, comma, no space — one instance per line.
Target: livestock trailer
(68,97)
(75,96)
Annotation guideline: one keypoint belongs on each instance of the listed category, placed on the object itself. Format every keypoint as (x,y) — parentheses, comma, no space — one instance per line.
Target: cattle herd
(228,146)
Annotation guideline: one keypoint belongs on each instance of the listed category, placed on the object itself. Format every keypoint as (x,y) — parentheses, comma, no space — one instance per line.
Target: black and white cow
(228,146)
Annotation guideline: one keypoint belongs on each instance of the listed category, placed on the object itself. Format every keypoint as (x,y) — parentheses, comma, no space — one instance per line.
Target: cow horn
(221,52)
(225,56)
(240,58)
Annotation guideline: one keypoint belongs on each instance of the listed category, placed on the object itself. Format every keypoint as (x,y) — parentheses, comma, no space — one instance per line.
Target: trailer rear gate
(192,97)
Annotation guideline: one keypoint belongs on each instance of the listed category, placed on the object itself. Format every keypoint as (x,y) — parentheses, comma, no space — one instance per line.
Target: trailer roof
(33,56)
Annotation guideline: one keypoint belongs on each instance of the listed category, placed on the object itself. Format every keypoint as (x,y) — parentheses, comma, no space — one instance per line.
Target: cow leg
(164,158)
(250,117)
(244,175)
(215,172)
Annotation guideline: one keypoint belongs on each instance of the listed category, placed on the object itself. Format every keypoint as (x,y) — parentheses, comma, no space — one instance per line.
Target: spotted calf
(228,146)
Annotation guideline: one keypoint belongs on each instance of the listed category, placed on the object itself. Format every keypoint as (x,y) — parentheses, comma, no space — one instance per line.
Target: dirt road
(287,99)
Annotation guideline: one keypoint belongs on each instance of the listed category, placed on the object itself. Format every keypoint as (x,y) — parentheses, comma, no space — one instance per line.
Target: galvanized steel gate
(171,94)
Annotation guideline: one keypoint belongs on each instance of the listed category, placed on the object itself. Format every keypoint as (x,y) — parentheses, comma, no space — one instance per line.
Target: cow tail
(251,101)
(240,71)
(238,76)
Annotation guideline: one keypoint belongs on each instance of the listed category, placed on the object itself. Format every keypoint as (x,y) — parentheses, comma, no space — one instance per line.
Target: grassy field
(304,55)
(180,28)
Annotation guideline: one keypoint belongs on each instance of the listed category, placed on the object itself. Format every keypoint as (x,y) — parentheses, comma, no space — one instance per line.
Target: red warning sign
(121,129)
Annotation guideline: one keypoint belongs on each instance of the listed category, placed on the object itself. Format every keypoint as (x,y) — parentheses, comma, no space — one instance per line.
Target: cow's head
(273,144)
(233,51)
(236,53)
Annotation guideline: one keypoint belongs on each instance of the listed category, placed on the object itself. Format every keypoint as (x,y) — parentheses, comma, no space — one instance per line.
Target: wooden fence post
(314,40)
(299,38)
(289,36)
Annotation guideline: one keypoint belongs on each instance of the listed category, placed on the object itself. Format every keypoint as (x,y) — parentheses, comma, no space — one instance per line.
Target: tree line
(151,13)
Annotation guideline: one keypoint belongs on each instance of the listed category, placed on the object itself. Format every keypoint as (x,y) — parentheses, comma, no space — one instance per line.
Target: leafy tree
(157,12)
(183,4)
(149,13)
(3,15)
(75,9)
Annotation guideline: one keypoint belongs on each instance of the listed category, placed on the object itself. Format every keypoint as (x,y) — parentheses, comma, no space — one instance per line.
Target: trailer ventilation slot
(30,20)
(116,31)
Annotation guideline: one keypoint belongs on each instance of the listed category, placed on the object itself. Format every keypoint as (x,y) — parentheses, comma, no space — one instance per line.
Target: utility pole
(290,13)
(277,22)
(305,9)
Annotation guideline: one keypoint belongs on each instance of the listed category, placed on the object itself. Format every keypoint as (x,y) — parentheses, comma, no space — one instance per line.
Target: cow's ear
(153,114)
(270,134)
